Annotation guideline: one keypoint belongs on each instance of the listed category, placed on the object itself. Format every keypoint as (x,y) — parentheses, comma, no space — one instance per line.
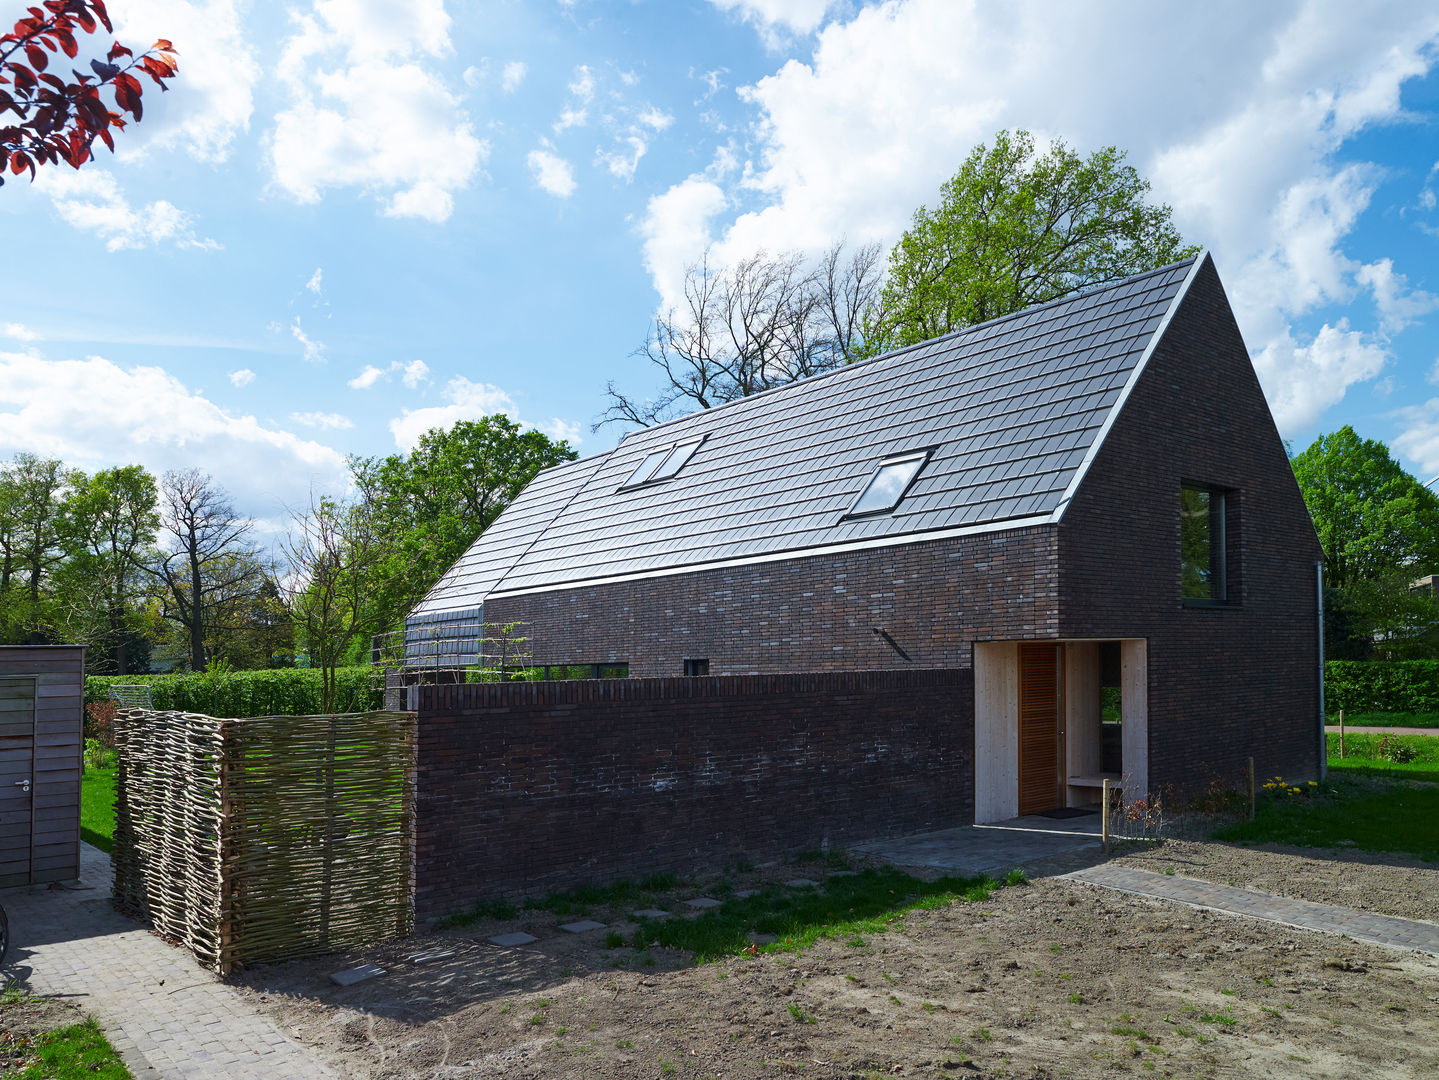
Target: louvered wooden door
(17,774)
(1038,728)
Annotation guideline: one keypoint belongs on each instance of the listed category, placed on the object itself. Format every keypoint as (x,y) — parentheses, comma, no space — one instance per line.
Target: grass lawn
(97,807)
(1385,719)
(36,1042)
(1367,809)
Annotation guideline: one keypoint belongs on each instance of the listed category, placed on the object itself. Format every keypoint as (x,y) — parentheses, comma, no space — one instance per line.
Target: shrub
(275,692)
(100,723)
(1395,750)
(1382,685)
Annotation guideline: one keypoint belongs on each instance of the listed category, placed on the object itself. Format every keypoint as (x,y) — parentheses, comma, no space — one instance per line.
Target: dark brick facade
(809,614)
(1224,682)
(529,787)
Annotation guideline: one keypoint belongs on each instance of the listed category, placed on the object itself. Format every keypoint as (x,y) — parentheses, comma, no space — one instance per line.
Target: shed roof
(1010,410)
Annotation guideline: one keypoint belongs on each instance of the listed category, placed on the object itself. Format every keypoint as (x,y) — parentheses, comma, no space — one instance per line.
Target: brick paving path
(1361,926)
(166,1014)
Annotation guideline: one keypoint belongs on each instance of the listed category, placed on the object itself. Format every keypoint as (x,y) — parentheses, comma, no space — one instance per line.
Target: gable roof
(1011,411)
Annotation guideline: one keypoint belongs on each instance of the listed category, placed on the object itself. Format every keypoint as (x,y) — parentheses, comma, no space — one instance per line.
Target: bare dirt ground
(1051,979)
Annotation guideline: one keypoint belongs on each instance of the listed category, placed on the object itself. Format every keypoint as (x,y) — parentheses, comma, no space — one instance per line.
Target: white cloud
(466,400)
(1245,148)
(476,74)
(513,76)
(213,96)
(242,378)
(93,413)
(1302,380)
(552,173)
(623,163)
(325,420)
(18,332)
(366,378)
(1419,439)
(91,200)
(415,373)
(314,350)
(582,85)
(1398,305)
(571,118)
(368,110)
(1434,371)
(656,118)
(562,430)
(772,17)
(315,284)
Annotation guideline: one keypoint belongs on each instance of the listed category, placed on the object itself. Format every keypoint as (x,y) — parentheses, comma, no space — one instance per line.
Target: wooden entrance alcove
(42,691)
(1040,729)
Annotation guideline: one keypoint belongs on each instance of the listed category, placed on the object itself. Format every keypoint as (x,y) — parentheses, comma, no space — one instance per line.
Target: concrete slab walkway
(1361,926)
(1037,845)
(161,1010)
(1350,729)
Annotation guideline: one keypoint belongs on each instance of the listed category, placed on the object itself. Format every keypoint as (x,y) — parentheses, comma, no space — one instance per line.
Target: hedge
(1381,685)
(275,692)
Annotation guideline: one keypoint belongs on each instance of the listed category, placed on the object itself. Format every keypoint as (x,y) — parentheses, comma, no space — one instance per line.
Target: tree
(34,540)
(114,521)
(1372,517)
(338,554)
(1013,229)
(208,560)
(447,491)
(58,120)
(761,323)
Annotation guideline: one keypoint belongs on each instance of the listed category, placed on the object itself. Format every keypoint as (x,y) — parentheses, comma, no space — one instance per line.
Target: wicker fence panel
(265,838)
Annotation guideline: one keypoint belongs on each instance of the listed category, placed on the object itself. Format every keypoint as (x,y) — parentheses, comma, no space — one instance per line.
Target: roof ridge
(809,380)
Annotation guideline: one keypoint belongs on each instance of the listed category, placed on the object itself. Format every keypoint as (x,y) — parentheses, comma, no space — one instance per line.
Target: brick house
(1086,504)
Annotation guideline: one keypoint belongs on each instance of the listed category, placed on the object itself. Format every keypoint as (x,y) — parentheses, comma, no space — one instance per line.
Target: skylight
(889,483)
(663,463)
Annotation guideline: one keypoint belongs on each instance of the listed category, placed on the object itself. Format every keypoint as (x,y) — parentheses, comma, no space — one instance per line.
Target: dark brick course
(524,788)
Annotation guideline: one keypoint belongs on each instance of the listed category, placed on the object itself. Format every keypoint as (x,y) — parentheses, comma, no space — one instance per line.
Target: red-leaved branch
(55,119)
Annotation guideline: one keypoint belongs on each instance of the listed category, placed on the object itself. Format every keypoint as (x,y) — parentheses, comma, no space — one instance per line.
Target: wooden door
(1039,754)
(17,778)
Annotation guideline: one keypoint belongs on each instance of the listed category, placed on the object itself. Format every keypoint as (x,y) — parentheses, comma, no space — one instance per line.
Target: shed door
(1038,728)
(17,764)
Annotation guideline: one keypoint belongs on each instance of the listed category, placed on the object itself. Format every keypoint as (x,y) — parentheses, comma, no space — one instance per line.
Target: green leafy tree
(113,522)
(437,499)
(34,541)
(1014,228)
(1373,517)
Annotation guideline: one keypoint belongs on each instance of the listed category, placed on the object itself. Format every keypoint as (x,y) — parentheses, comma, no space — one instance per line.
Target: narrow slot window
(1203,577)
(888,485)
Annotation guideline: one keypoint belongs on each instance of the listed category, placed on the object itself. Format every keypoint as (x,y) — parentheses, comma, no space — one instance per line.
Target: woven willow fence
(256,840)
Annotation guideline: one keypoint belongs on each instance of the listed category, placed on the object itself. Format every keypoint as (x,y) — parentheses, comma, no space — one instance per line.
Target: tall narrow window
(1201,545)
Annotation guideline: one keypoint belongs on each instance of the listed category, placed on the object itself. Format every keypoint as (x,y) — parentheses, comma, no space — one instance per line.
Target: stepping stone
(801,883)
(584,926)
(509,941)
(430,955)
(702,902)
(745,894)
(650,913)
(351,976)
(845,873)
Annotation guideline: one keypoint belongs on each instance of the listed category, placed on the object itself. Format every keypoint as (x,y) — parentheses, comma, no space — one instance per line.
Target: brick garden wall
(1224,682)
(531,787)
(807,614)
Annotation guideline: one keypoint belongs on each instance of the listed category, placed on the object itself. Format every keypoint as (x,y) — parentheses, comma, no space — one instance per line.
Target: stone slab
(584,926)
(650,913)
(351,976)
(745,894)
(801,883)
(509,941)
(702,902)
(429,956)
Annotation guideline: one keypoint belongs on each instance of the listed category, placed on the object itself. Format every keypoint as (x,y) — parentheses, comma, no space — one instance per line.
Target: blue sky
(350,220)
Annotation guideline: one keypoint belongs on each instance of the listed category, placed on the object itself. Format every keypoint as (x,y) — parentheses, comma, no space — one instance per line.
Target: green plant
(1076,998)
(982,1034)
(1397,750)
(800,1016)
(614,940)
(272,692)
(1382,685)
(1016,877)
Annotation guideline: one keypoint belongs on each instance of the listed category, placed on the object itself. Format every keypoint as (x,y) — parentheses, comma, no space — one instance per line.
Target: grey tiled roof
(1010,408)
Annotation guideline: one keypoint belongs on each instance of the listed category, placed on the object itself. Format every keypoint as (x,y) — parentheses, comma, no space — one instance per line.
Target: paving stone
(845,873)
(745,894)
(584,926)
(1304,914)
(702,902)
(801,883)
(650,913)
(160,1009)
(351,976)
(429,956)
(509,941)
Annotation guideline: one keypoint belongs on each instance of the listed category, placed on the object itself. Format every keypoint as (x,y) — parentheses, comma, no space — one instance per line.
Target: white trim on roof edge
(1057,514)
(783,556)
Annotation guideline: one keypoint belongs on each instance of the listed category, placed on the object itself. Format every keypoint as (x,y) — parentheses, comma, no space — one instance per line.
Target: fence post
(1341,733)
(1104,816)
(1251,789)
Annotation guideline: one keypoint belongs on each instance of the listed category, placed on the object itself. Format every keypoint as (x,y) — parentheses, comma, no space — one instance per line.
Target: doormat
(1067,812)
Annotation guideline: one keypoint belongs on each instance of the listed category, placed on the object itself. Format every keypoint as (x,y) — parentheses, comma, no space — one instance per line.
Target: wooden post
(1341,732)
(1104,816)
(1251,789)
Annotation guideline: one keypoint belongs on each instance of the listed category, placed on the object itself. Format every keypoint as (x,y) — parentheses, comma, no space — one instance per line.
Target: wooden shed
(42,697)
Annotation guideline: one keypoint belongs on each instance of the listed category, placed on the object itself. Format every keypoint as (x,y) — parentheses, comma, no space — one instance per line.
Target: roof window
(663,463)
(889,483)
